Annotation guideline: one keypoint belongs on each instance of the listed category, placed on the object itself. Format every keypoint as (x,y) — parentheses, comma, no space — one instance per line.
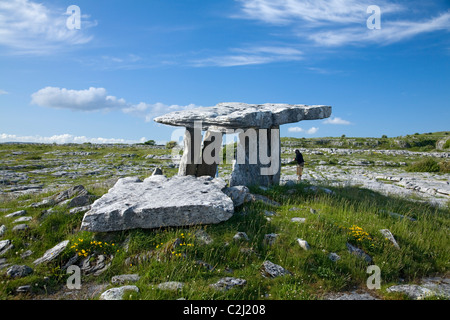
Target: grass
(349,214)
(424,248)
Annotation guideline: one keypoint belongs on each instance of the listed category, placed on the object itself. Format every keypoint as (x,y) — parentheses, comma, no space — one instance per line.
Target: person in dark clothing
(300,164)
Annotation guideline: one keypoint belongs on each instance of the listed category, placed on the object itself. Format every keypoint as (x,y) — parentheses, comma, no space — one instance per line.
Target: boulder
(159,202)
(171,285)
(52,253)
(117,293)
(272,270)
(228,283)
(18,271)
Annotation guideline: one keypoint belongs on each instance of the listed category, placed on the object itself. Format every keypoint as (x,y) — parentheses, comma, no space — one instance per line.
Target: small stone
(20,227)
(16,214)
(24,289)
(18,271)
(52,253)
(270,238)
(203,237)
(297,219)
(241,236)
(171,285)
(228,283)
(334,256)
(157,171)
(22,219)
(304,244)
(117,293)
(356,251)
(413,291)
(388,235)
(270,269)
(2,230)
(269,213)
(80,209)
(121,279)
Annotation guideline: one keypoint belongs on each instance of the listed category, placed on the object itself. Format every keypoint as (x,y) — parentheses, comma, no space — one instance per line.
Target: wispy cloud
(251,56)
(95,99)
(3,92)
(341,22)
(311,130)
(65,138)
(336,120)
(28,27)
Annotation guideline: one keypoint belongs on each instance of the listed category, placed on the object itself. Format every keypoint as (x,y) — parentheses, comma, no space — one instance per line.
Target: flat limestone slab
(235,115)
(159,202)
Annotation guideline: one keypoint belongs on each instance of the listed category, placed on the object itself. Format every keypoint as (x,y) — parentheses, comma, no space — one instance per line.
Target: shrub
(425,165)
(444,166)
(171,144)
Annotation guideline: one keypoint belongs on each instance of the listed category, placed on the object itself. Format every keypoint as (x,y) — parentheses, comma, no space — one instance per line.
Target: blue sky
(131,61)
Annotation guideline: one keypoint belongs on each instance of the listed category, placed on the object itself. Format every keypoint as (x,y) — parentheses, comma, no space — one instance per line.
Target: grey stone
(270,238)
(237,193)
(353,295)
(157,172)
(16,214)
(80,209)
(75,191)
(52,253)
(5,246)
(272,270)
(19,271)
(358,252)
(2,230)
(159,202)
(334,256)
(96,266)
(171,285)
(242,115)
(43,203)
(23,289)
(117,293)
(20,227)
(22,219)
(121,279)
(388,235)
(297,219)
(203,237)
(413,291)
(79,201)
(228,283)
(304,244)
(241,236)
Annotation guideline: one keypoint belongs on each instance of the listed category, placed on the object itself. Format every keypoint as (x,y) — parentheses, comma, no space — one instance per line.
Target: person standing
(300,164)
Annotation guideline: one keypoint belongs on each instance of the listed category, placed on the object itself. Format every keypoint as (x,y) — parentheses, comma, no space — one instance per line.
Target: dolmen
(258,160)
(196,196)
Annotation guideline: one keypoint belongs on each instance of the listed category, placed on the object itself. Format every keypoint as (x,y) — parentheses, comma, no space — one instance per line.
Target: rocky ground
(28,171)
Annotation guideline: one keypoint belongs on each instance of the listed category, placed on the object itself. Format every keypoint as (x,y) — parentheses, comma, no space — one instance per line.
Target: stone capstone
(242,115)
(159,202)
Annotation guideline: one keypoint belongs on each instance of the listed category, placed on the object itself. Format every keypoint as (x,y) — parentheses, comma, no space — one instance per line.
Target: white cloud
(342,22)
(252,56)
(28,27)
(311,130)
(84,100)
(94,99)
(65,138)
(295,129)
(3,92)
(390,32)
(336,120)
